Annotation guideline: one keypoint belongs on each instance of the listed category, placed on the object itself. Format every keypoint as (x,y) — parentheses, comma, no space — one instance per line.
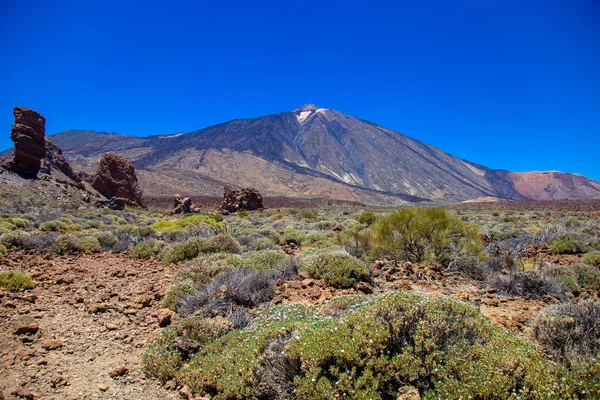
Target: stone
(116,177)
(182,205)
(28,135)
(408,393)
(235,200)
(120,371)
(58,381)
(364,287)
(96,308)
(102,388)
(52,345)
(114,203)
(54,159)
(186,393)
(164,317)
(22,394)
(26,325)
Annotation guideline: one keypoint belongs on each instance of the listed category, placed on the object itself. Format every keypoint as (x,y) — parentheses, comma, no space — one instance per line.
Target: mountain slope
(314,152)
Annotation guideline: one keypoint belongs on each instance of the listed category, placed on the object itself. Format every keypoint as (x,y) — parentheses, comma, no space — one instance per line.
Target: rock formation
(241,199)
(116,178)
(182,205)
(28,135)
(114,203)
(53,158)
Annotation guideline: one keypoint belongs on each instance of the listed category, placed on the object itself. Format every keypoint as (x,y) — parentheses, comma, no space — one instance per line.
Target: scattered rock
(111,327)
(164,317)
(364,287)
(114,203)
(51,345)
(408,393)
(23,394)
(186,393)
(59,381)
(235,200)
(183,205)
(103,388)
(96,308)
(28,135)
(26,325)
(116,178)
(120,371)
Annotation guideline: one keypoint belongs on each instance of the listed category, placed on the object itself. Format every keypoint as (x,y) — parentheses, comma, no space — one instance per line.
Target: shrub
(183,251)
(290,236)
(237,287)
(2,250)
(50,226)
(242,213)
(444,348)
(222,244)
(533,283)
(424,234)
(570,331)
(567,246)
(15,280)
(337,268)
(592,259)
(308,214)
(14,238)
(259,260)
(368,218)
(358,241)
(72,243)
(106,239)
(585,276)
(145,250)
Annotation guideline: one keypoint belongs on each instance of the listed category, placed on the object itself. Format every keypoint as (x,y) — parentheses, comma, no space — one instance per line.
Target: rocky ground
(81,332)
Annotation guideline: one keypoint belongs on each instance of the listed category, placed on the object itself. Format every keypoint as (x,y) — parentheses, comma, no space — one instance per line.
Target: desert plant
(533,283)
(76,243)
(15,281)
(221,244)
(367,218)
(50,226)
(592,259)
(183,251)
(336,267)
(424,234)
(567,245)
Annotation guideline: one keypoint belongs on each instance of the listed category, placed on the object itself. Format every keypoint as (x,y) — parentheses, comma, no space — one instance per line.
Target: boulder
(116,178)
(53,158)
(114,203)
(28,135)
(182,205)
(235,200)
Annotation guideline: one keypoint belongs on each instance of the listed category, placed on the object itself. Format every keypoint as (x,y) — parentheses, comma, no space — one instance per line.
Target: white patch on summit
(303,115)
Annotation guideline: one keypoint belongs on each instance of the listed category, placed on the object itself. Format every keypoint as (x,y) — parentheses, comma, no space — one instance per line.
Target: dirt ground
(94,314)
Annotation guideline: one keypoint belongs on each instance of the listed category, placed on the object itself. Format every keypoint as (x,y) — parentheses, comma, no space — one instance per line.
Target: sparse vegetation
(336,267)
(15,280)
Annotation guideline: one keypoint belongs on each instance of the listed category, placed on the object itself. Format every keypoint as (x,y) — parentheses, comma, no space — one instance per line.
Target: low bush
(2,250)
(145,250)
(50,226)
(106,239)
(336,267)
(227,291)
(14,238)
(444,348)
(183,251)
(532,283)
(570,331)
(76,243)
(265,260)
(592,259)
(15,281)
(367,218)
(221,244)
(577,277)
(567,246)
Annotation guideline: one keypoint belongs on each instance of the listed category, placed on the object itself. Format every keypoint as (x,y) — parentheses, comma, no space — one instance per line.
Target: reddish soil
(94,315)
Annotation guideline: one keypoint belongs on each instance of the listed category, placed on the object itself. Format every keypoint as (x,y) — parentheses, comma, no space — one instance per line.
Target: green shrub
(290,236)
(567,246)
(242,213)
(308,214)
(14,238)
(424,234)
(162,360)
(446,349)
(145,250)
(222,244)
(106,239)
(190,220)
(367,218)
(2,250)
(76,243)
(50,226)
(592,259)
(588,277)
(15,280)
(259,260)
(184,251)
(337,268)
(19,222)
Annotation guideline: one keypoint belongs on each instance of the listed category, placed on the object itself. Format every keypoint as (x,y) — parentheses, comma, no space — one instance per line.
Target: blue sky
(508,84)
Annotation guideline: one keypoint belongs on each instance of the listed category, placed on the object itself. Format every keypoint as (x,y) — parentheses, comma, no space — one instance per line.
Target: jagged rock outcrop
(235,200)
(28,135)
(116,178)
(183,205)
(53,158)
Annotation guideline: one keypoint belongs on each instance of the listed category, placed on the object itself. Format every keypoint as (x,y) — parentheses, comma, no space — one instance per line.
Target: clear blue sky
(508,84)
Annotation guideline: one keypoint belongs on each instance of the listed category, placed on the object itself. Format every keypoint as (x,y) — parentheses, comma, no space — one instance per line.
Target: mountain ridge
(311,152)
